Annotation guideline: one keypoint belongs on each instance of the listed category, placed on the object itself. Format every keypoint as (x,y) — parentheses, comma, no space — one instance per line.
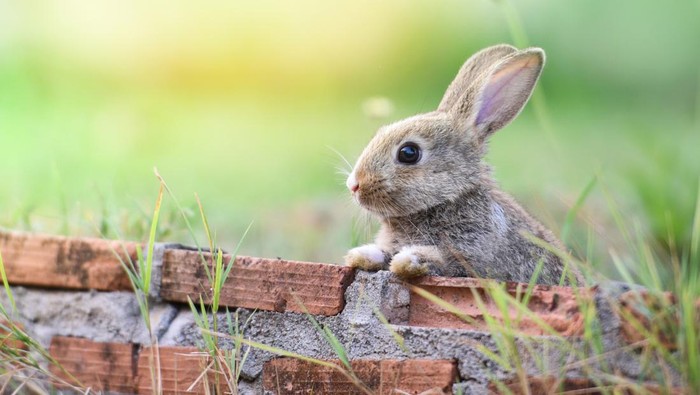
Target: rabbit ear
(503,93)
(472,69)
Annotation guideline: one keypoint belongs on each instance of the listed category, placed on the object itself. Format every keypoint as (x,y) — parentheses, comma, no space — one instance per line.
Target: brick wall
(74,296)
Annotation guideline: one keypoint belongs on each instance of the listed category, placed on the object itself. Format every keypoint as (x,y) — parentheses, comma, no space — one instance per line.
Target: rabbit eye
(409,153)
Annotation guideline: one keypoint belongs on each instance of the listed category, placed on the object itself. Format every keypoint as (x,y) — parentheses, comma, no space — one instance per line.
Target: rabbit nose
(352,183)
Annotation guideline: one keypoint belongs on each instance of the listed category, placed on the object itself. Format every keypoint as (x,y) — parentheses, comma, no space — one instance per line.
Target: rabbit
(441,212)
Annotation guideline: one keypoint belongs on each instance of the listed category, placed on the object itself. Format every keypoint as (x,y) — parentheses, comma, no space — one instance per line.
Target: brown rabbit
(441,212)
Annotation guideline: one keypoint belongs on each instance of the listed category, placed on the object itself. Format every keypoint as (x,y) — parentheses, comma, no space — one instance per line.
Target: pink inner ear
(500,86)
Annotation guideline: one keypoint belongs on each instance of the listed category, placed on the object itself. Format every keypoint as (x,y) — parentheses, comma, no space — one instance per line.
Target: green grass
(139,273)
(312,219)
(680,323)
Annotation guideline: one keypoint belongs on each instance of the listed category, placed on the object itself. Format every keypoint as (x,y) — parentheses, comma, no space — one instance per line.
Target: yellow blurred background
(249,104)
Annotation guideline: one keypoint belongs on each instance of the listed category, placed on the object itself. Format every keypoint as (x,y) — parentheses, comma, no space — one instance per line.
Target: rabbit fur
(444,215)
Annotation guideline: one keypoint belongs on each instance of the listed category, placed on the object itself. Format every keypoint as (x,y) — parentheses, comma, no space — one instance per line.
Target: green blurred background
(246,103)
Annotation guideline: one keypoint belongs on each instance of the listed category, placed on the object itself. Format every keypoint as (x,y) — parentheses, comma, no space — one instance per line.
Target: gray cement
(98,316)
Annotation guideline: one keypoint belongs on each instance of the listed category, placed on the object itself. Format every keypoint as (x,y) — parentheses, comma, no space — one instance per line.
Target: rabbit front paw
(414,261)
(367,257)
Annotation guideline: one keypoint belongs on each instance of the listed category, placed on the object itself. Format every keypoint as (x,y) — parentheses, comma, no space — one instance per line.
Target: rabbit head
(433,158)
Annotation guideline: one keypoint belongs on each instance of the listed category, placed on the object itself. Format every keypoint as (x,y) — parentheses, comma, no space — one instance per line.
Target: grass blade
(573,211)
(146,274)
(695,233)
(6,284)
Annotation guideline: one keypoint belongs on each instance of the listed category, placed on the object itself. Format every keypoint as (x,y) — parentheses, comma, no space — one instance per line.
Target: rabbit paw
(408,263)
(366,257)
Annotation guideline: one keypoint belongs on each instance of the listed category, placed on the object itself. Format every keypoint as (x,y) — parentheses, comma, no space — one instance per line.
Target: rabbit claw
(367,257)
(408,263)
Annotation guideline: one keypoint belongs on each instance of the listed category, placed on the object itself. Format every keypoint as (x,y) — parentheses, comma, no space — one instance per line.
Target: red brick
(60,262)
(99,366)
(258,283)
(293,376)
(557,306)
(417,376)
(180,369)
